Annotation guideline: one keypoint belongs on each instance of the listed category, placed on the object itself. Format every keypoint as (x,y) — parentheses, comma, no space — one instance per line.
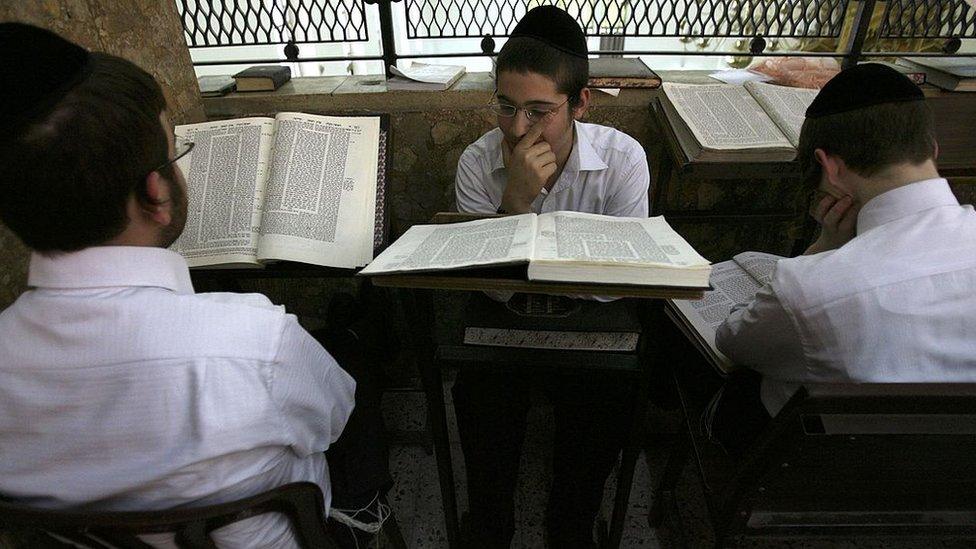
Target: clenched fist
(529,164)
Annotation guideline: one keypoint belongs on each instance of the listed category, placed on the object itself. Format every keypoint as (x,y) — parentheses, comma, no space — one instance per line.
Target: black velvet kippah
(555,27)
(863,86)
(37,68)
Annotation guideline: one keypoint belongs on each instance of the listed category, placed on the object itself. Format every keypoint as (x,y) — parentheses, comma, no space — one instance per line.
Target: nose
(521,124)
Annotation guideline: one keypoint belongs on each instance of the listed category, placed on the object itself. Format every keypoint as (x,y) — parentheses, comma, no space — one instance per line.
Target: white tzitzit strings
(344,516)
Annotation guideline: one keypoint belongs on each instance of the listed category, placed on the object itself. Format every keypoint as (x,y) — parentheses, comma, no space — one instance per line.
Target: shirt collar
(111,266)
(582,158)
(904,201)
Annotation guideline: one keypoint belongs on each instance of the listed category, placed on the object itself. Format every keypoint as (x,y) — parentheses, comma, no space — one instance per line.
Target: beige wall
(147,32)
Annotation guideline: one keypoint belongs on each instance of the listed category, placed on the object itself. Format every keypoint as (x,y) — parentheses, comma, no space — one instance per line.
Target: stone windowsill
(369,93)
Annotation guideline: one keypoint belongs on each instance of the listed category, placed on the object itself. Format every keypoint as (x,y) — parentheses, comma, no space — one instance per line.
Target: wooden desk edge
(435,282)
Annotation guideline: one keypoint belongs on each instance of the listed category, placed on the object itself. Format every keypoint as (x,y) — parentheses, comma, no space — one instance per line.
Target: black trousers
(591,427)
(359,461)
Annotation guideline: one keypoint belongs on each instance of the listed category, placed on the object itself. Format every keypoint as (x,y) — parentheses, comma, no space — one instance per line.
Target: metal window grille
(259,22)
(928,19)
(636,18)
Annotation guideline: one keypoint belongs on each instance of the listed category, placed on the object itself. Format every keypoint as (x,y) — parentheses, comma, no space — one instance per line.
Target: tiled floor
(416,493)
(417,502)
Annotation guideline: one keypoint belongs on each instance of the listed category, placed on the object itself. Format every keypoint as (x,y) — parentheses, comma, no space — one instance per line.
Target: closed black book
(262,78)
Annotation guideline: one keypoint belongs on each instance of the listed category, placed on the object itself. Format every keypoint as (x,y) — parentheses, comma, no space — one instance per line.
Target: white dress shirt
(606,173)
(122,389)
(895,304)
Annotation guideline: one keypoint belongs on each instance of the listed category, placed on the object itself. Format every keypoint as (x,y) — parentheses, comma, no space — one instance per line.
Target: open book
(754,122)
(558,246)
(734,282)
(296,187)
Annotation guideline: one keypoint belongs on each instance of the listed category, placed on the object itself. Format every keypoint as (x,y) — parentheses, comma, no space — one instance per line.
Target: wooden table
(419,306)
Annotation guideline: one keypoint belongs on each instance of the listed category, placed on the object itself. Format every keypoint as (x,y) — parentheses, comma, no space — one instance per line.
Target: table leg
(628,462)
(421,316)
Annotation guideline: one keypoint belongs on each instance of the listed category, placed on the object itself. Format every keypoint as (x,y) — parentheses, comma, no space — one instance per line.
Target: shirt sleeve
(631,199)
(313,394)
(471,195)
(762,336)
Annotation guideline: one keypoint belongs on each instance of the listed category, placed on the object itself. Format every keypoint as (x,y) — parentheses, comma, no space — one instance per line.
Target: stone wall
(146,32)
(430,130)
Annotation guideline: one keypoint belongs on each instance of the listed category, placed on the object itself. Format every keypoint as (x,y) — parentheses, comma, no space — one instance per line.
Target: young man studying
(121,388)
(542,159)
(885,294)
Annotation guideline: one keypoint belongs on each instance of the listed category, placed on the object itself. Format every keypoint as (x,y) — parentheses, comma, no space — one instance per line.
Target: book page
(724,116)
(733,285)
(321,193)
(498,241)
(604,240)
(759,265)
(735,282)
(787,107)
(225,174)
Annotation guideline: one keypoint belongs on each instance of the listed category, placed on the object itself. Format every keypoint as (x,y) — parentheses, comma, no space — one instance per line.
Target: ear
(935,149)
(835,170)
(584,103)
(158,207)
(829,164)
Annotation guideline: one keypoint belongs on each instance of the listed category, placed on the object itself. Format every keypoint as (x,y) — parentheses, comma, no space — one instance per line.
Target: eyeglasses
(532,115)
(182,150)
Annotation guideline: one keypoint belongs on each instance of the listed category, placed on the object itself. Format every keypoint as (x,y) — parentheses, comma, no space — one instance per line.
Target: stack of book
(424,77)
(948,73)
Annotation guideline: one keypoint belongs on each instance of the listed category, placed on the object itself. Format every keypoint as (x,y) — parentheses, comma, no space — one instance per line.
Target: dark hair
(66,178)
(523,55)
(869,139)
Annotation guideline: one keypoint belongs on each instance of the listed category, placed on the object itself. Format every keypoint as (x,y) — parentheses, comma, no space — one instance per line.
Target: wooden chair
(301,502)
(843,460)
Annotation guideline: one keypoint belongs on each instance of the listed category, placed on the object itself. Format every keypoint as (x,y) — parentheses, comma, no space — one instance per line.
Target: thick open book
(296,187)
(754,122)
(558,246)
(733,282)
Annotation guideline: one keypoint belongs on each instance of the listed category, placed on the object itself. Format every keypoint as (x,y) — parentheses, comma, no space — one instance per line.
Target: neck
(892,178)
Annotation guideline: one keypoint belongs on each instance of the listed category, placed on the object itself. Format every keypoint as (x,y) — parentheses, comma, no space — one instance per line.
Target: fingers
(849,219)
(837,212)
(531,136)
(547,158)
(819,209)
(538,149)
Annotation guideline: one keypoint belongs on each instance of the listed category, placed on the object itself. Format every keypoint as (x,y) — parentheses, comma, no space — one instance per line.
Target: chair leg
(669,480)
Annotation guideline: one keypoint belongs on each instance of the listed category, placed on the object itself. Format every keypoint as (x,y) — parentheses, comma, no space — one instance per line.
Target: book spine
(280,78)
(916,77)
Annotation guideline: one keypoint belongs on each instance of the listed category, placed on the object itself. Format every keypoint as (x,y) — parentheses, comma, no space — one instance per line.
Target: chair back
(861,459)
(301,502)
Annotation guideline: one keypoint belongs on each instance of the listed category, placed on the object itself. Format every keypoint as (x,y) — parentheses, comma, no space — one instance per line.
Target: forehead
(529,87)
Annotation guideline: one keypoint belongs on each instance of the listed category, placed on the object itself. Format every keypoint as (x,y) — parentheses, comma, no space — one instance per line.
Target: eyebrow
(534,102)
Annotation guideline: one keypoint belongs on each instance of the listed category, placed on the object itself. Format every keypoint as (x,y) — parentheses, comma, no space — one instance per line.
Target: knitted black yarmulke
(863,86)
(555,27)
(37,68)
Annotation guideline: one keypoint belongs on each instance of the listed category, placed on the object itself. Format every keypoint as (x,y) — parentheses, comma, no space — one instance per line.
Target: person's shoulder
(610,139)
(231,324)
